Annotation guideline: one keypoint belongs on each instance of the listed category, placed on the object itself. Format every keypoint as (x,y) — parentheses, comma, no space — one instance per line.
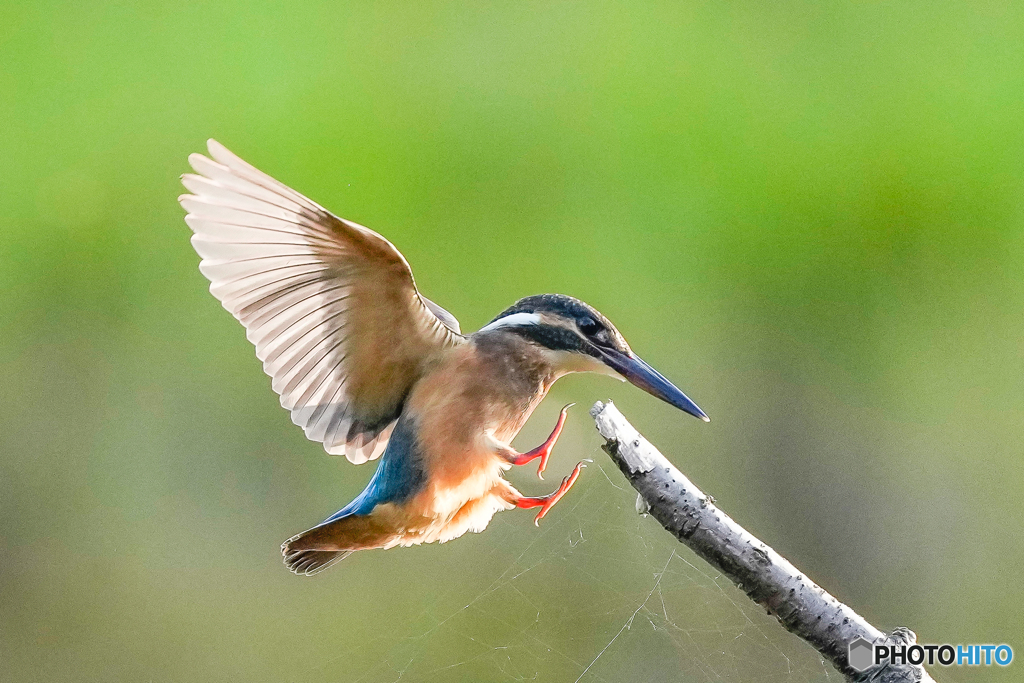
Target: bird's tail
(310,562)
(324,545)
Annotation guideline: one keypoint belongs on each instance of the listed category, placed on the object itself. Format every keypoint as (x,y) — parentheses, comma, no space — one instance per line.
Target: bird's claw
(543,451)
(547,502)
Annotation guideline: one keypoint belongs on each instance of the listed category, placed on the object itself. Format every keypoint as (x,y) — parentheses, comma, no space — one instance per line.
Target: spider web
(598,593)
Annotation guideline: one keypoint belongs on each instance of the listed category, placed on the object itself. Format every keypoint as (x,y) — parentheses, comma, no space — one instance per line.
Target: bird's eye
(592,328)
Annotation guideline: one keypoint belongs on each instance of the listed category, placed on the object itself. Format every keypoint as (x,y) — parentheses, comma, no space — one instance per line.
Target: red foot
(546,502)
(543,451)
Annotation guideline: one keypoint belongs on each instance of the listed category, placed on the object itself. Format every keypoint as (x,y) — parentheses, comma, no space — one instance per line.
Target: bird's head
(580,339)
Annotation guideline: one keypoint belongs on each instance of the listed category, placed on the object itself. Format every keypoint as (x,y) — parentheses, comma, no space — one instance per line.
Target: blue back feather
(399,475)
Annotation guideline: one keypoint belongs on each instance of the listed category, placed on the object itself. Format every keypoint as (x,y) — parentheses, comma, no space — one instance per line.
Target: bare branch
(800,605)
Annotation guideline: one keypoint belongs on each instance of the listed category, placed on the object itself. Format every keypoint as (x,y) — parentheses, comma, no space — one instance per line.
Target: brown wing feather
(331,306)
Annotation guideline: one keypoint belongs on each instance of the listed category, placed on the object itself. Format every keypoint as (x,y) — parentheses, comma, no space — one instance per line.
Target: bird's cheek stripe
(514,320)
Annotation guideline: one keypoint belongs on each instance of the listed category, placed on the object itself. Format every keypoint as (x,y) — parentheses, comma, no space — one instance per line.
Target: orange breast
(471,396)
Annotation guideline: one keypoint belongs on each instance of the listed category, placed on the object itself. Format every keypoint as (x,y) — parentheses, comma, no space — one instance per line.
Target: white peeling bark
(801,606)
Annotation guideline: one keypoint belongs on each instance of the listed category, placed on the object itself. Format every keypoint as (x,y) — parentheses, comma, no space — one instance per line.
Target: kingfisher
(374,370)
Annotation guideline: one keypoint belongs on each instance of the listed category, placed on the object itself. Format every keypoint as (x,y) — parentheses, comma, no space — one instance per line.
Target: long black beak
(640,374)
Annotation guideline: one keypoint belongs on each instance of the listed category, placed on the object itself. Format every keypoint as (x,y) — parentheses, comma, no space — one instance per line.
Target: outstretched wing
(330,305)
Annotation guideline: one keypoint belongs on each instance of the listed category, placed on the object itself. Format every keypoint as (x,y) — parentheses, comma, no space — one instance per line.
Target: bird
(375,371)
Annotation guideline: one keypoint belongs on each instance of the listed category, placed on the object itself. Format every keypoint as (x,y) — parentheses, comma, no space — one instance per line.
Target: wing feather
(331,306)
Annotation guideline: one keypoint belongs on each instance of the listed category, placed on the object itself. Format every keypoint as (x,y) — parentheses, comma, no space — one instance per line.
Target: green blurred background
(809,215)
